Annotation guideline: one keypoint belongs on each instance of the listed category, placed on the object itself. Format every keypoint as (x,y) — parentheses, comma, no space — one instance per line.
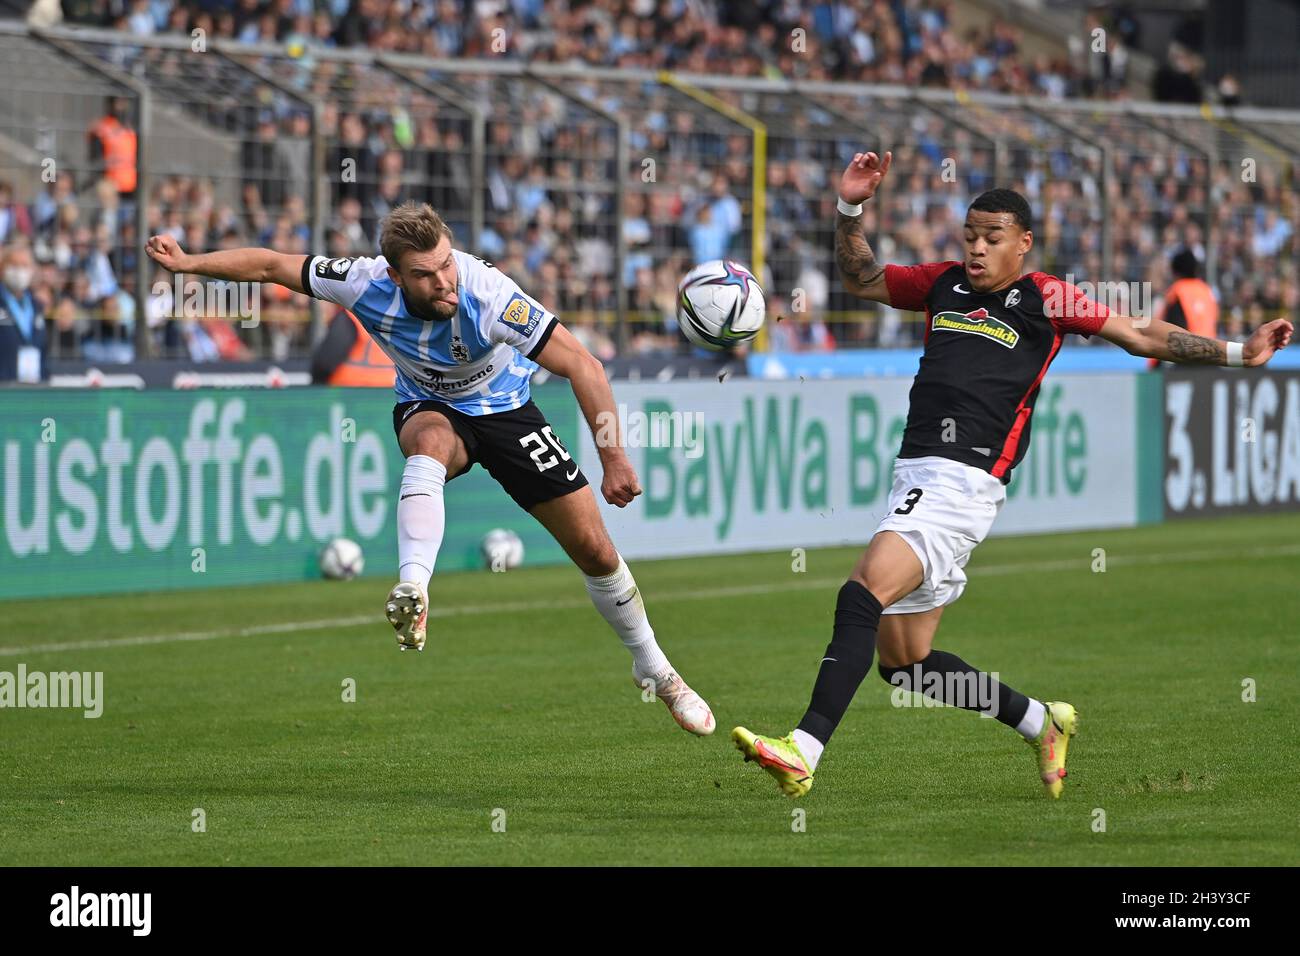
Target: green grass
(531,709)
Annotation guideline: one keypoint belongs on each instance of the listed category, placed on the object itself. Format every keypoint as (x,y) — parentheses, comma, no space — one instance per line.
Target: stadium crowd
(550,219)
(883,41)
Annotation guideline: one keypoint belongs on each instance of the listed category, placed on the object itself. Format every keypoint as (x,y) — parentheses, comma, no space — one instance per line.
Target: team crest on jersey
(333,268)
(459,350)
(521,315)
(1013,298)
(977,322)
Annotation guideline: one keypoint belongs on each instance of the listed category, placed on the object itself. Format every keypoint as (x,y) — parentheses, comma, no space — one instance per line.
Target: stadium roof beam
(315,194)
(144,101)
(620,190)
(410,69)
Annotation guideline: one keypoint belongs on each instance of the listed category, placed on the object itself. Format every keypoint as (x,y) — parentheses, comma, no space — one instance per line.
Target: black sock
(958,684)
(847,660)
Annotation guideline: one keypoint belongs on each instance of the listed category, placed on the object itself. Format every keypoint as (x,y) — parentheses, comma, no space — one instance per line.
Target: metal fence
(595,189)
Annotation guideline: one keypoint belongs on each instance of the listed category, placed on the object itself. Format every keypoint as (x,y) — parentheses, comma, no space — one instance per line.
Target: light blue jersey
(479,361)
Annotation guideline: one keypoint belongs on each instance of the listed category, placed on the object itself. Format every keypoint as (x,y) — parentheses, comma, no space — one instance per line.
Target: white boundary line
(707,594)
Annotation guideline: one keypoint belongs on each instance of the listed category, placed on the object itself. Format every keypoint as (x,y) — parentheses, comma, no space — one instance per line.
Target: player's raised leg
(887,570)
(433,450)
(574,521)
(908,661)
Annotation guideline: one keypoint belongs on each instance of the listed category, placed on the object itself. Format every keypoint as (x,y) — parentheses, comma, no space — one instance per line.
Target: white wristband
(849,209)
(1234,355)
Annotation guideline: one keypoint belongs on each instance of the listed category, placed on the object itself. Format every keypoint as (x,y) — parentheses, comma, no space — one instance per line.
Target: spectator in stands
(112,142)
(388,196)
(353,236)
(1271,236)
(265,167)
(294,151)
(1178,79)
(1229,90)
(709,238)
(349,358)
(352,165)
(109,340)
(14,218)
(24,345)
(1189,303)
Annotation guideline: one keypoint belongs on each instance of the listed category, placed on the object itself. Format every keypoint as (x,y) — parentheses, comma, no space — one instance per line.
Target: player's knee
(878,591)
(595,554)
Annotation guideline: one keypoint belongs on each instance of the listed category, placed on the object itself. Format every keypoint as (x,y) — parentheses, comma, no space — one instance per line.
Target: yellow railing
(758,194)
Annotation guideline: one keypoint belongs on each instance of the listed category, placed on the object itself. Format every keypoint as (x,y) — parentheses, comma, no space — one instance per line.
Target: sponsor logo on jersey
(333,268)
(436,379)
(977,322)
(521,315)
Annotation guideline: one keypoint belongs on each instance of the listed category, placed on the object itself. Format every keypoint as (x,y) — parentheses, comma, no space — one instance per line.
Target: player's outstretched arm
(237,265)
(565,356)
(863,276)
(1169,343)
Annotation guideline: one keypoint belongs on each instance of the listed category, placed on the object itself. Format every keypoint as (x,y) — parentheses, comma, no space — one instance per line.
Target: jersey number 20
(535,439)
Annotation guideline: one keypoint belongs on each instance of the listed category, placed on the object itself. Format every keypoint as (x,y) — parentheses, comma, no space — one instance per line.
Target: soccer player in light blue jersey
(466,340)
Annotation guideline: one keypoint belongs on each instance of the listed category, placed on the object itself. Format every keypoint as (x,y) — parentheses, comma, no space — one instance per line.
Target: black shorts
(518,448)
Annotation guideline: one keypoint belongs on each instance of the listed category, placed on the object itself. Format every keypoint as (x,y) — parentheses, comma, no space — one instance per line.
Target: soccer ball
(720,305)
(341,560)
(501,550)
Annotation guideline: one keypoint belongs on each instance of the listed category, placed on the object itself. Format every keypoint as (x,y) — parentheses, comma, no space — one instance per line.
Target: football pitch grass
(521,713)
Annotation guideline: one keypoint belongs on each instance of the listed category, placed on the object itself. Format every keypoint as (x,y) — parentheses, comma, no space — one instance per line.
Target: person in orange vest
(113,146)
(348,357)
(1189,302)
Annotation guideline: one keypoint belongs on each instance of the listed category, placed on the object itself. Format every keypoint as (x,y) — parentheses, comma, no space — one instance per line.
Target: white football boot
(687,707)
(408,611)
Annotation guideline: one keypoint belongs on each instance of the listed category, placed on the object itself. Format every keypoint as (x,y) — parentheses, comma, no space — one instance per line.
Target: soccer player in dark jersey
(991,333)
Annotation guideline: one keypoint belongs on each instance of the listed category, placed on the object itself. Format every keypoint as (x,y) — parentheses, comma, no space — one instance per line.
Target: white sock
(810,747)
(628,619)
(1032,724)
(421,519)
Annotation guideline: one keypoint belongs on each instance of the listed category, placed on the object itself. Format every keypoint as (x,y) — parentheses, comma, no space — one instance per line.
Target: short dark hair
(1185,264)
(411,227)
(1006,200)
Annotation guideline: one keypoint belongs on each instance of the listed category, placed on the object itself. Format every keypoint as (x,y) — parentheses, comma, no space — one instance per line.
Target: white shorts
(943,509)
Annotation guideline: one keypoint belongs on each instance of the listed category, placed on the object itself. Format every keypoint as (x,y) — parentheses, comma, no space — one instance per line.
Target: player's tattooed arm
(1195,349)
(1158,339)
(1161,340)
(863,275)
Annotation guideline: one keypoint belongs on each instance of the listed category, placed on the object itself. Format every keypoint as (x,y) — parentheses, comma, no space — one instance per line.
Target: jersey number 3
(913,496)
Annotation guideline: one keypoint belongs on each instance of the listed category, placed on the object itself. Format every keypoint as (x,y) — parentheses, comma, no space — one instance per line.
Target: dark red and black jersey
(985,357)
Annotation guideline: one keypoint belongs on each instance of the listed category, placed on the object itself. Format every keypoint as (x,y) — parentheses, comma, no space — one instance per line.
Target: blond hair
(411,227)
